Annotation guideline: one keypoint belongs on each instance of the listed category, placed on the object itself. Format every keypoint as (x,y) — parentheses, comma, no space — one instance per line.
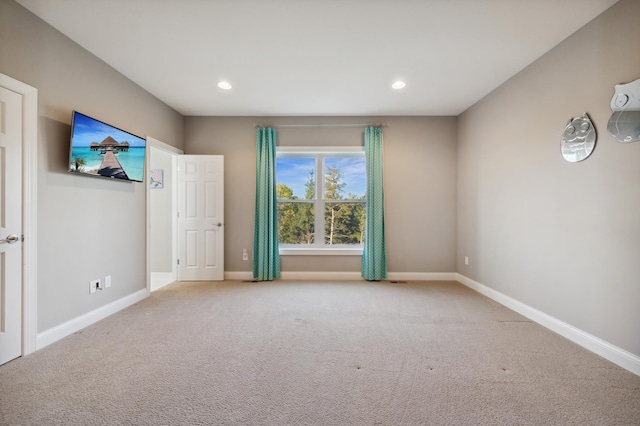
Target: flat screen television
(99,149)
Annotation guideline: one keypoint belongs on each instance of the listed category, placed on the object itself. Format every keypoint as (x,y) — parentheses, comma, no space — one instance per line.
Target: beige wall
(87,227)
(561,237)
(420,185)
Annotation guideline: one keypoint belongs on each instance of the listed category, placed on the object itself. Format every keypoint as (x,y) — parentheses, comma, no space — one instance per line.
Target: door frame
(29,209)
(175,152)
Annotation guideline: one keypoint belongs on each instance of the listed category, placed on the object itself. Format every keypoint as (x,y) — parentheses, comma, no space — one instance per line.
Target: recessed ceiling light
(225,85)
(398,84)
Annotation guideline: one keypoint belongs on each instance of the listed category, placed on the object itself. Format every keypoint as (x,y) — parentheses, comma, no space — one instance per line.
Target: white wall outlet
(466,260)
(94,286)
(107,281)
(245,254)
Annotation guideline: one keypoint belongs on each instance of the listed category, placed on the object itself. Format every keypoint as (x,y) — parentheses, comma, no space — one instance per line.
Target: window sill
(298,251)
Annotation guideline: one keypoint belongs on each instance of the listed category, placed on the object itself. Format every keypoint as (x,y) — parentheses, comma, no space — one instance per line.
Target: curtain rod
(323,125)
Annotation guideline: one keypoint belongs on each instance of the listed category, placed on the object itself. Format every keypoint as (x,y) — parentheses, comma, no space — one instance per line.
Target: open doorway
(161,214)
(25,323)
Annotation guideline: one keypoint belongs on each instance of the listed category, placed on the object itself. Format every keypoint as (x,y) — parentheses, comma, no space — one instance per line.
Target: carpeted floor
(316,353)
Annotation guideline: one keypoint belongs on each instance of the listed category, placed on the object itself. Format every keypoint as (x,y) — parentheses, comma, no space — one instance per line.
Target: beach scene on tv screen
(101,150)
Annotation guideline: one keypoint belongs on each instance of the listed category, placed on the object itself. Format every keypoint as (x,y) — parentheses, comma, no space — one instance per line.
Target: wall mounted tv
(99,149)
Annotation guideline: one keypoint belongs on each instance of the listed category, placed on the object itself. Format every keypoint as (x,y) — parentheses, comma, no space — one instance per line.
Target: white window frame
(319,248)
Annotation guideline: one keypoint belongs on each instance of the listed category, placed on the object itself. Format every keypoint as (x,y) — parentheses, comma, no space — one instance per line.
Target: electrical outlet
(245,254)
(107,281)
(94,286)
(466,260)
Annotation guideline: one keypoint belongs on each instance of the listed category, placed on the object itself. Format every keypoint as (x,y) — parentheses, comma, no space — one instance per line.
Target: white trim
(304,251)
(346,276)
(357,150)
(321,275)
(67,328)
(238,275)
(29,209)
(422,276)
(164,146)
(588,341)
(161,279)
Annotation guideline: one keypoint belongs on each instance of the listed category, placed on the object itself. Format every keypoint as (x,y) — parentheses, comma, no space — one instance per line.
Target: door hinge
(178,261)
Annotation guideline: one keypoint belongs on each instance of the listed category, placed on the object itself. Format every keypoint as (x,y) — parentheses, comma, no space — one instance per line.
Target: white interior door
(10,225)
(201,217)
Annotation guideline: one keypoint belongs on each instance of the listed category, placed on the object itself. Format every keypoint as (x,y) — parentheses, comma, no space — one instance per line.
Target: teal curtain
(266,259)
(374,257)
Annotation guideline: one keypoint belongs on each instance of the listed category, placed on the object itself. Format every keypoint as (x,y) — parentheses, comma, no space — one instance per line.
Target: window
(327,180)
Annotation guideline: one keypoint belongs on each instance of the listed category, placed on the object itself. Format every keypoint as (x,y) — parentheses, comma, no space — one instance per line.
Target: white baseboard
(67,328)
(422,276)
(346,276)
(238,275)
(617,355)
(160,279)
(321,275)
(298,275)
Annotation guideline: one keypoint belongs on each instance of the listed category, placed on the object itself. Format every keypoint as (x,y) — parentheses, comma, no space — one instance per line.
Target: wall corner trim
(161,279)
(617,355)
(67,328)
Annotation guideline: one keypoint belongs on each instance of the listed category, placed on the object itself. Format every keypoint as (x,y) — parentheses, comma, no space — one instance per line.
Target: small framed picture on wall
(155,179)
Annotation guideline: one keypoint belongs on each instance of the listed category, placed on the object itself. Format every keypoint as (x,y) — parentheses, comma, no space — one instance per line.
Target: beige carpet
(317,353)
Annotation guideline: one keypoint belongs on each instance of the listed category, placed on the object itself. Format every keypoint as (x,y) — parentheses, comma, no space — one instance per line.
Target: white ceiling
(313,57)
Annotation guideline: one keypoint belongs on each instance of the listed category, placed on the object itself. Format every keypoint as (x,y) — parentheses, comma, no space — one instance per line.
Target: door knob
(13,238)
